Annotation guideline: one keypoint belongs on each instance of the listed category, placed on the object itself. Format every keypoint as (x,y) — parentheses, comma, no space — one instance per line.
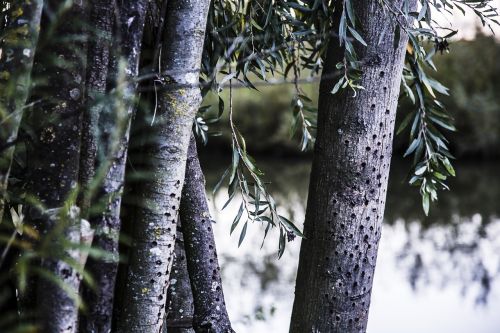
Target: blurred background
(434,274)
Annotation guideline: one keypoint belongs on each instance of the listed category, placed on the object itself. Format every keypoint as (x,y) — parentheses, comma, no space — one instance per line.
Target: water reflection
(435,274)
(465,253)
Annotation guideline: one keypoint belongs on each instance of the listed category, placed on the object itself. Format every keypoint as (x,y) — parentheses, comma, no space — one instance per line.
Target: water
(434,274)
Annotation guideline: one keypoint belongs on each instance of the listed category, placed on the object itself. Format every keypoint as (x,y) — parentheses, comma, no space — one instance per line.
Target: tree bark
(154,232)
(57,307)
(108,224)
(349,182)
(101,22)
(16,61)
(204,272)
(53,164)
(180,308)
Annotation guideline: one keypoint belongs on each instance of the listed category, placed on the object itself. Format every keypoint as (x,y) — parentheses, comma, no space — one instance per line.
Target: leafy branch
(257,204)
(350,65)
(304,114)
(428,145)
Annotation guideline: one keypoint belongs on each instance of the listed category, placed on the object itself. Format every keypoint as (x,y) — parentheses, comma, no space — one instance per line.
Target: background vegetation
(471,71)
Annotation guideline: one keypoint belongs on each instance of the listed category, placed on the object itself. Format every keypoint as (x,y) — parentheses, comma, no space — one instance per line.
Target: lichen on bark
(101,23)
(114,129)
(54,150)
(154,230)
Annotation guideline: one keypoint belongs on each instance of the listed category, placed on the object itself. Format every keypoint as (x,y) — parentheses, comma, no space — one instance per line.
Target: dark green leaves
(257,39)
(348,37)
(257,204)
(304,121)
(357,36)
(431,164)
(245,178)
(340,83)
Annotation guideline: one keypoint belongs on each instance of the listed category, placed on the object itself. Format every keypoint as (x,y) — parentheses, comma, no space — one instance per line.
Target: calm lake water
(434,274)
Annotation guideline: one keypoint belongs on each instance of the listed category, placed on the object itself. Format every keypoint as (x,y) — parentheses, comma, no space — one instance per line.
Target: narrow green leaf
(282,243)
(289,224)
(237,218)
(357,36)
(448,166)
(425,203)
(412,147)
(420,171)
(350,12)
(243,233)
(221,180)
(338,85)
(405,122)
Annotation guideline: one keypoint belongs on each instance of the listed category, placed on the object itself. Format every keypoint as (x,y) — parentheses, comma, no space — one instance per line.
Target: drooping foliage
(254,42)
(250,43)
(257,41)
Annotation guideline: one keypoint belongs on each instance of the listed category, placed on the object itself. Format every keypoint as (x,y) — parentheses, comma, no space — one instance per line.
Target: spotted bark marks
(54,152)
(348,186)
(166,159)
(210,309)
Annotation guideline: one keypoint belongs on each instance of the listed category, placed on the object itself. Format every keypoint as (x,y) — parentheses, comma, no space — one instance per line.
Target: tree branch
(204,271)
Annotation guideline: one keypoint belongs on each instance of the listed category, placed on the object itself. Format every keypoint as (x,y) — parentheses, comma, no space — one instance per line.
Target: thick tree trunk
(180,308)
(53,163)
(17,51)
(114,126)
(154,232)
(210,309)
(101,22)
(349,182)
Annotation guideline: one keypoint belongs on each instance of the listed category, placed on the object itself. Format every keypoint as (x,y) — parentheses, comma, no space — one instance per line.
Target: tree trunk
(54,151)
(349,182)
(16,60)
(154,232)
(113,126)
(57,306)
(204,272)
(180,308)
(101,22)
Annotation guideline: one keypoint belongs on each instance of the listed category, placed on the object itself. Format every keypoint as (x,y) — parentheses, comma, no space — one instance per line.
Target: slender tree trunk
(349,182)
(180,308)
(210,309)
(53,164)
(16,60)
(17,51)
(57,306)
(101,22)
(114,126)
(150,259)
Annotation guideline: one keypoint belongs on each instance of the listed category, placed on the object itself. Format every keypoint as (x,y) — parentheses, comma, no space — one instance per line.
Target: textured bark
(108,224)
(57,309)
(17,51)
(180,308)
(101,21)
(204,271)
(153,237)
(349,182)
(54,151)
